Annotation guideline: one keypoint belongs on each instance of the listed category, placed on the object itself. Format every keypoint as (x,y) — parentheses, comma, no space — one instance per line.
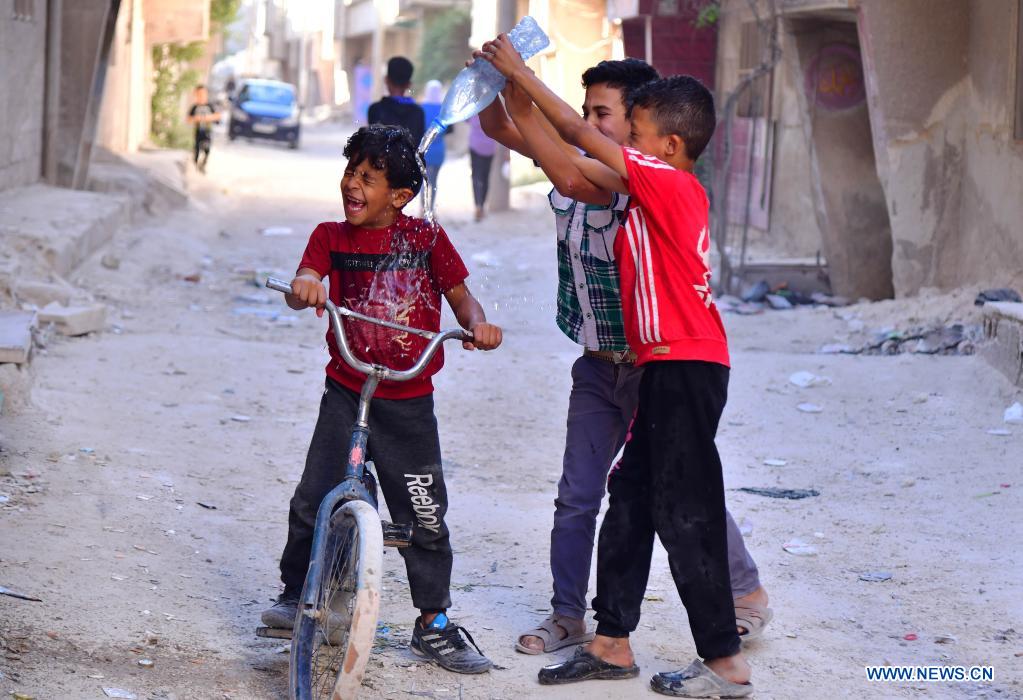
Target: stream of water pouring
(429,137)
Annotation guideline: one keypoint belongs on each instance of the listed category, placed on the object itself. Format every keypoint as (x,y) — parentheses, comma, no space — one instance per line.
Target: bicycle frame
(352,487)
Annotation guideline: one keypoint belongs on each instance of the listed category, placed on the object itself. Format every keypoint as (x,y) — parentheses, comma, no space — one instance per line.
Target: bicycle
(340,601)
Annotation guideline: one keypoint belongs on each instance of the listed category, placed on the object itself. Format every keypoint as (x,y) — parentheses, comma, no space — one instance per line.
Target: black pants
(480,167)
(669,482)
(405,449)
(201,147)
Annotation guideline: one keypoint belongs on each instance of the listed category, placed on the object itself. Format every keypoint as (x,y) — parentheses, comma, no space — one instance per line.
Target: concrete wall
(125,112)
(22,89)
(917,87)
(849,202)
(990,244)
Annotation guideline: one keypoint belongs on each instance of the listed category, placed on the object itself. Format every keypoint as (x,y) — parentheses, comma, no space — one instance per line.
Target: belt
(624,357)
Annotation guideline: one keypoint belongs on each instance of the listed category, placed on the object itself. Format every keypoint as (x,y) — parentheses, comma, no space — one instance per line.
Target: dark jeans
(600,408)
(480,167)
(405,449)
(669,482)
(201,147)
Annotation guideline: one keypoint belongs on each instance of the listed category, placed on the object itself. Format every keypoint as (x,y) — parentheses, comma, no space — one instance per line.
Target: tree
(445,46)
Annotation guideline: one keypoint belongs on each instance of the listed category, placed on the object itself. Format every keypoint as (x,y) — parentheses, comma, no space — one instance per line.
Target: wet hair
(399,71)
(387,148)
(679,105)
(625,75)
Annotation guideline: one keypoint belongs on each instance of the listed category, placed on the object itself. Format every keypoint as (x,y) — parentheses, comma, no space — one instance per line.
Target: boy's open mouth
(353,204)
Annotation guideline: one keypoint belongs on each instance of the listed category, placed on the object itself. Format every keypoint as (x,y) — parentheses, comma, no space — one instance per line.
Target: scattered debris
(945,639)
(876,576)
(241,418)
(774,492)
(799,548)
(775,462)
(806,380)
(21,596)
(953,339)
(999,431)
(207,506)
(145,663)
(1003,294)
(757,292)
(809,408)
(277,231)
(74,320)
(1014,413)
(911,637)
(110,261)
(120,693)
(746,527)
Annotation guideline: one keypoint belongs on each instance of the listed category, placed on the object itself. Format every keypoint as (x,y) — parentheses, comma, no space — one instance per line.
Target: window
(751,54)
(24,10)
(1018,130)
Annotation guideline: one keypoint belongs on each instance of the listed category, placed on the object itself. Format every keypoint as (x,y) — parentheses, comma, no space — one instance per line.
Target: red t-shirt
(663,254)
(396,274)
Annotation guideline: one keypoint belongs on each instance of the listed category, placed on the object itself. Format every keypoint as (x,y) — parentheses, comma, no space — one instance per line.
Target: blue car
(266,109)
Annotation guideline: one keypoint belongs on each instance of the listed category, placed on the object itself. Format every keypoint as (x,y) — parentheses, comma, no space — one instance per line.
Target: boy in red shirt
(384,264)
(669,481)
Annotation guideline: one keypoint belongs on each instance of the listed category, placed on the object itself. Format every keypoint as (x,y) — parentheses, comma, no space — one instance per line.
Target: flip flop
(584,666)
(754,618)
(548,632)
(698,681)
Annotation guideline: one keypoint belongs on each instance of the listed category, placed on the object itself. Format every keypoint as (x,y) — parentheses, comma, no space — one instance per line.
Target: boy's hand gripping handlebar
(336,312)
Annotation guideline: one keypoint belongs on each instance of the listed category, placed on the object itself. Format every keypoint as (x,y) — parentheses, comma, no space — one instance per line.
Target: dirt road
(148,485)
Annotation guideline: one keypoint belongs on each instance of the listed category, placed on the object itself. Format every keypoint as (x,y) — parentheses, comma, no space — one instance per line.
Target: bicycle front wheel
(334,636)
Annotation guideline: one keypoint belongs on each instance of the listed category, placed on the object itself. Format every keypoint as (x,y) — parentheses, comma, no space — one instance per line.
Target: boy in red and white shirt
(669,481)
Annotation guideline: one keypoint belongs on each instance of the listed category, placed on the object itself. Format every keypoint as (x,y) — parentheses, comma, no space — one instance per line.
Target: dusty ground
(132,428)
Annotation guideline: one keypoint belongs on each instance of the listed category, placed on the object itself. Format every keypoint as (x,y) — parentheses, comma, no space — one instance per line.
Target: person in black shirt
(203,115)
(398,109)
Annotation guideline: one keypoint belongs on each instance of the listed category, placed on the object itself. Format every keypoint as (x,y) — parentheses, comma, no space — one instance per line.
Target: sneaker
(281,614)
(441,642)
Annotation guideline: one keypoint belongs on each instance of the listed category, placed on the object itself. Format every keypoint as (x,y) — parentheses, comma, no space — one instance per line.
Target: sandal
(584,666)
(754,619)
(698,681)
(548,631)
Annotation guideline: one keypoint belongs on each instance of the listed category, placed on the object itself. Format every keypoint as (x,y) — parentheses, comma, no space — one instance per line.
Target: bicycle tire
(329,650)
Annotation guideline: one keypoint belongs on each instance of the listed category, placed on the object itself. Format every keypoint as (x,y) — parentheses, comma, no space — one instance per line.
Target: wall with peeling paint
(940,89)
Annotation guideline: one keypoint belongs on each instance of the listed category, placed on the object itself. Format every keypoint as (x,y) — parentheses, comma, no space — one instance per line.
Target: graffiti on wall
(834,78)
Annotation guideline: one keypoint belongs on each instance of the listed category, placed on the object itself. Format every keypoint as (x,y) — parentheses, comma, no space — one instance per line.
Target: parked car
(266,109)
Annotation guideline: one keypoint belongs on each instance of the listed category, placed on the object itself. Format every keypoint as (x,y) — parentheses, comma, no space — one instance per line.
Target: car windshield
(276,94)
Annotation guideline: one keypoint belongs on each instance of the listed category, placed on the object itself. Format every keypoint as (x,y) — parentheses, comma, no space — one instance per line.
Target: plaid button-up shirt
(589,302)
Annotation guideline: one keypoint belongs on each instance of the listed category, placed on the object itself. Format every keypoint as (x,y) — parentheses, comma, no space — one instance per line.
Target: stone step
(58,226)
(16,335)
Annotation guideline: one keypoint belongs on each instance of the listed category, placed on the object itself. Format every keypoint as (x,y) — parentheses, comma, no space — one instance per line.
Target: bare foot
(757,598)
(567,627)
(613,650)
(732,668)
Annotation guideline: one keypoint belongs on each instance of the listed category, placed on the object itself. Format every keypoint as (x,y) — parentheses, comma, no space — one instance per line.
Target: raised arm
(570,126)
(558,163)
(496,124)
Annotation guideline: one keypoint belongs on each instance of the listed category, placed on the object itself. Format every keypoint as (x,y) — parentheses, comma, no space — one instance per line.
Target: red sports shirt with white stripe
(663,254)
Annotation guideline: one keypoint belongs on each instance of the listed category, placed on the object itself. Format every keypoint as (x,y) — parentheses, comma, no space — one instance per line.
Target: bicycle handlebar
(336,312)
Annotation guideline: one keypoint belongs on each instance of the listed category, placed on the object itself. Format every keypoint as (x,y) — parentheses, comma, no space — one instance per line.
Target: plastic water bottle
(473,89)
(478,84)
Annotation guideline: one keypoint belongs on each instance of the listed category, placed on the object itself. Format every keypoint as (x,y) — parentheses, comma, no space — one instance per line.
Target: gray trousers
(600,409)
